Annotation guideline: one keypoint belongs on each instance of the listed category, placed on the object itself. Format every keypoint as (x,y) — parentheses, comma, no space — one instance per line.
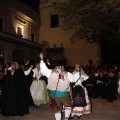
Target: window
(19,31)
(1,24)
(54,20)
(32,37)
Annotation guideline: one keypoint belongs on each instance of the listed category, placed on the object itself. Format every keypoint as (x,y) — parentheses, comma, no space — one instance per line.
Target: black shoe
(102,97)
(71,117)
(68,118)
(79,117)
(37,106)
(110,100)
(115,98)
(94,97)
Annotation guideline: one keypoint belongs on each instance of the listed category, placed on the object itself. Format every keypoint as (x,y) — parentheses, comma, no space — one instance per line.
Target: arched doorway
(18,56)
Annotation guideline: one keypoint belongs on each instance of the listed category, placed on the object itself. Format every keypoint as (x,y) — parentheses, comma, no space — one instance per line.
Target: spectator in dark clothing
(112,81)
(16,97)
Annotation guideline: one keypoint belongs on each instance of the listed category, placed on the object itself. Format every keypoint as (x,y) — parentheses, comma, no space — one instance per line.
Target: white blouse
(47,72)
(78,78)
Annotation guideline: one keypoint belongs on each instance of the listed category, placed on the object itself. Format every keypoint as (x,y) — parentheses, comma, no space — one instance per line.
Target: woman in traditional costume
(38,88)
(81,102)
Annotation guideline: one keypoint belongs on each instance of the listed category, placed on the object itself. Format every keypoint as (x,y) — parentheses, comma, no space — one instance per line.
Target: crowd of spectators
(103,80)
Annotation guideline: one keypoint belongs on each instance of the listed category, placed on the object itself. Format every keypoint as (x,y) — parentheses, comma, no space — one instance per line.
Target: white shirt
(76,76)
(47,72)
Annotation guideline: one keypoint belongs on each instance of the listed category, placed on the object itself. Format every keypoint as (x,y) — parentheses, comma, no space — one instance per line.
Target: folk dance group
(59,86)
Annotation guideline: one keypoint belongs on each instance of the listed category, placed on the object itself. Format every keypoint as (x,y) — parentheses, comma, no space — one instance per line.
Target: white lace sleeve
(27,71)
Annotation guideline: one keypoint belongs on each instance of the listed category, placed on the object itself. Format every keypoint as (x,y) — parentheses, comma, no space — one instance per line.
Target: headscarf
(35,70)
(13,67)
(81,72)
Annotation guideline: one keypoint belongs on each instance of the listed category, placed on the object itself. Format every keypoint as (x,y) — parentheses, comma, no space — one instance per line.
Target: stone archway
(18,56)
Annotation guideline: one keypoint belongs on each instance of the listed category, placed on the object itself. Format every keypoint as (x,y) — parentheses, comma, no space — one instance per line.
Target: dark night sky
(32,3)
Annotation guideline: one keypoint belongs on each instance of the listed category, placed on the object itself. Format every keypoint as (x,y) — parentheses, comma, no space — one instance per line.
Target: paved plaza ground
(101,110)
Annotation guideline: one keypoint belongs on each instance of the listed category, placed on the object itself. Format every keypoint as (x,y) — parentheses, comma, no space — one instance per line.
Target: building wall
(21,23)
(79,52)
(14,16)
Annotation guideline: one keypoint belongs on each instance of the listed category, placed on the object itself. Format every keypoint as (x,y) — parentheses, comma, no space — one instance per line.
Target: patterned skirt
(81,102)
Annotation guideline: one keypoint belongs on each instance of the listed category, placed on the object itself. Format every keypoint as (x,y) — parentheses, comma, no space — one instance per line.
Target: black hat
(60,63)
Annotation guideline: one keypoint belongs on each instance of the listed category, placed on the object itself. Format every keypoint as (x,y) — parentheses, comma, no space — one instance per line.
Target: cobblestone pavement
(101,110)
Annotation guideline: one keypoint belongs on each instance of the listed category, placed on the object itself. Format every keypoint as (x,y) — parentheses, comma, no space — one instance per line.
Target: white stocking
(67,112)
(58,115)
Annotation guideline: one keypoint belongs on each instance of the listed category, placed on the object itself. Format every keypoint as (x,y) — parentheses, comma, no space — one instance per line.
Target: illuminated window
(19,31)
(1,24)
(54,20)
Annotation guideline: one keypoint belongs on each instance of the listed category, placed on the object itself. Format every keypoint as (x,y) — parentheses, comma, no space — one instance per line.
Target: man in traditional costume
(59,86)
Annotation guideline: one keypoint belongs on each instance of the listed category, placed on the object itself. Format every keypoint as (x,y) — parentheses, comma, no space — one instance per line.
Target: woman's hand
(31,66)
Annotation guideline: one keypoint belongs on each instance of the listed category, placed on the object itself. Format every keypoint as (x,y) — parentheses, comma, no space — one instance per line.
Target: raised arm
(43,68)
(28,71)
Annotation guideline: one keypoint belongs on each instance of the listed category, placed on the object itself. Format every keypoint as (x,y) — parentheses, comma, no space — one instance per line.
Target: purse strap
(57,85)
(78,79)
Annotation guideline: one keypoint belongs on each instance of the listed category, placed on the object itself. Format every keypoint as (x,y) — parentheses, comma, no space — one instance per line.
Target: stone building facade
(19,32)
(79,52)
(25,32)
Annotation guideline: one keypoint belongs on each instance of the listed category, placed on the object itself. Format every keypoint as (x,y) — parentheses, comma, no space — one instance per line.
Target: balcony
(19,41)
